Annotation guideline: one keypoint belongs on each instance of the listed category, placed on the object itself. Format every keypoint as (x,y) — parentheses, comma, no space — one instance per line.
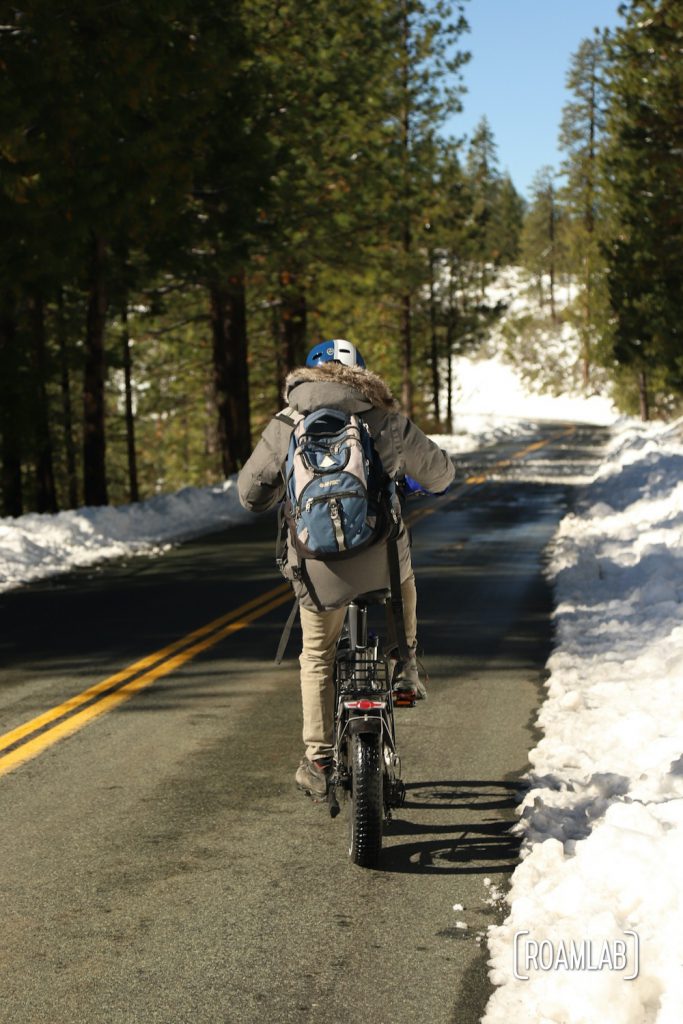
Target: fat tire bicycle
(366,767)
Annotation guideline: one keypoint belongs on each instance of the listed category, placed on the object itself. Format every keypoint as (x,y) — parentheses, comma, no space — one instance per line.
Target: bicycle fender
(365,723)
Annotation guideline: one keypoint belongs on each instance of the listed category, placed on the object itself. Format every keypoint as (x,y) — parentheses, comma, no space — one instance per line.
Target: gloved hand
(412,486)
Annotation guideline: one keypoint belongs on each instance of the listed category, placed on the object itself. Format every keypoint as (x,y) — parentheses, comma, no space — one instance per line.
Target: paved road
(159,866)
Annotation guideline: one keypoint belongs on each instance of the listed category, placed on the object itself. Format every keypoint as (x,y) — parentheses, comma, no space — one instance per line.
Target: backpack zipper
(332,498)
(335,516)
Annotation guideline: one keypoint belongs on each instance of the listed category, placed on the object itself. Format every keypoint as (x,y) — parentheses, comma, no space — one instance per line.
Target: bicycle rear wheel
(366,813)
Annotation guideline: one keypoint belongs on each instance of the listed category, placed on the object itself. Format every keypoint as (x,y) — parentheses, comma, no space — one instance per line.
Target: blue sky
(520,56)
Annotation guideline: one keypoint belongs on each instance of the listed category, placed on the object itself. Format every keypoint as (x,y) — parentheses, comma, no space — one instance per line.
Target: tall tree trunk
(552,233)
(586,354)
(46,494)
(94,447)
(589,211)
(279,364)
(589,226)
(130,412)
(586,366)
(451,324)
(539,285)
(293,326)
(231,373)
(405,327)
(643,396)
(10,426)
(210,431)
(407,355)
(449,377)
(434,347)
(69,443)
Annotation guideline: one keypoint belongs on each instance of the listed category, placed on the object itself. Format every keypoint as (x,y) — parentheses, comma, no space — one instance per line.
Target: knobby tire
(367,804)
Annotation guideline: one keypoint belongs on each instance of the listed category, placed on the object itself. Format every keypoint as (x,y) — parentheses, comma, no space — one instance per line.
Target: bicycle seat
(374,597)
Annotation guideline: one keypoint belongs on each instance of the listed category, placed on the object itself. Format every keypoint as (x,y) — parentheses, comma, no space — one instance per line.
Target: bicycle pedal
(404,699)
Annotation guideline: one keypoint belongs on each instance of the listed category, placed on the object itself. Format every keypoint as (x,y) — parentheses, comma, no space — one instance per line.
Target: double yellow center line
(32,738)
(481,478)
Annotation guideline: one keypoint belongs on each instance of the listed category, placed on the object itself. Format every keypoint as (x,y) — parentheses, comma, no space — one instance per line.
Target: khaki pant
(320,634)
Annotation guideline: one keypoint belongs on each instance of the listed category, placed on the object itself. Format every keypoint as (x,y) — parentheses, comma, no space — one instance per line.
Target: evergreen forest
(192,194)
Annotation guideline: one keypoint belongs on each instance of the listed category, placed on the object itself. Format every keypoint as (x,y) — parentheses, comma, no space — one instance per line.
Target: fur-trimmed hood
(367,386)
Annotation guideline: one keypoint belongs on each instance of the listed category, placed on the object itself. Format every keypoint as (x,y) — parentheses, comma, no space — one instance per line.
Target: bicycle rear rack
(362,672)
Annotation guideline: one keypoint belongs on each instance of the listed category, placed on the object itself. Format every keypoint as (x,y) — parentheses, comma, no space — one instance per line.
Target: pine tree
(508,218)
(483,174)
(230,188)
(10,411)
(541,244)
(457,314)
(581,133)
(642,167)
(426,87)
(325,65)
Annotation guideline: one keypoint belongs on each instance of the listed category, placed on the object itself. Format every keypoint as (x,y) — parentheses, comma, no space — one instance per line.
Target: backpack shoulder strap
(289,416)
(284,639)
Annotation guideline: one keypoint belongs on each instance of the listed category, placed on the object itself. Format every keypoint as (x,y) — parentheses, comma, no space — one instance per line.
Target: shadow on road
(481,845)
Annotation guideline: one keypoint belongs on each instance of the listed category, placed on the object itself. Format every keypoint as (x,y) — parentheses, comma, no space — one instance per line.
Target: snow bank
(603,819)
(35,546)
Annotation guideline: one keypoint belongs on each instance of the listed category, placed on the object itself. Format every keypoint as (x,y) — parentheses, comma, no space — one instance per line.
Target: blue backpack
(338,497)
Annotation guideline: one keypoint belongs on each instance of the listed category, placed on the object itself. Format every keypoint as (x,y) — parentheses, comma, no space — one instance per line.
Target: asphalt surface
(159,865)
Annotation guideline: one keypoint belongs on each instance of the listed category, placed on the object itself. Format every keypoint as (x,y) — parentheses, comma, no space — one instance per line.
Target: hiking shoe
(407,679)
(312,776)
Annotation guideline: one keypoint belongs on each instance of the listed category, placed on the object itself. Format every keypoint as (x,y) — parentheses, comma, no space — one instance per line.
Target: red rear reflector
(364,704)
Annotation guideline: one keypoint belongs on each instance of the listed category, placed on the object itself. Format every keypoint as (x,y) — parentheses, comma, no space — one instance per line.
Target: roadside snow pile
(34,546)
(603,820)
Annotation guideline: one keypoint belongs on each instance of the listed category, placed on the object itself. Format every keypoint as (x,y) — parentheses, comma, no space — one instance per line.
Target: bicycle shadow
(469,843)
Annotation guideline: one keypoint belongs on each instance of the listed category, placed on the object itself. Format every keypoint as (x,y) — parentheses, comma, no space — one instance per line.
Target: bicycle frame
(363,704)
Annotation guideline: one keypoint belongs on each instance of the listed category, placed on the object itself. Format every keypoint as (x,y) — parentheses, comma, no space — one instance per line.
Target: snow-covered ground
(533,364)
(34,546)
(491,393)
(602,822)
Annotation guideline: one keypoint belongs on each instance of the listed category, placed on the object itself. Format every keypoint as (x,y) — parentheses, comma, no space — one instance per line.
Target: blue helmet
(335,351)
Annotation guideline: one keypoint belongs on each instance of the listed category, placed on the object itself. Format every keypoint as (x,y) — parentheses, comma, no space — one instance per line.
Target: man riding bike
(335,377)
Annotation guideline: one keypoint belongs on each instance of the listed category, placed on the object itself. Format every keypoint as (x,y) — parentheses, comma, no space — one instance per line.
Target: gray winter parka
(402,447)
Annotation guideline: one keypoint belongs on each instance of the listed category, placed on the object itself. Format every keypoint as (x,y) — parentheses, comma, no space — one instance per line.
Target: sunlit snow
(34,546)
(603,819)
